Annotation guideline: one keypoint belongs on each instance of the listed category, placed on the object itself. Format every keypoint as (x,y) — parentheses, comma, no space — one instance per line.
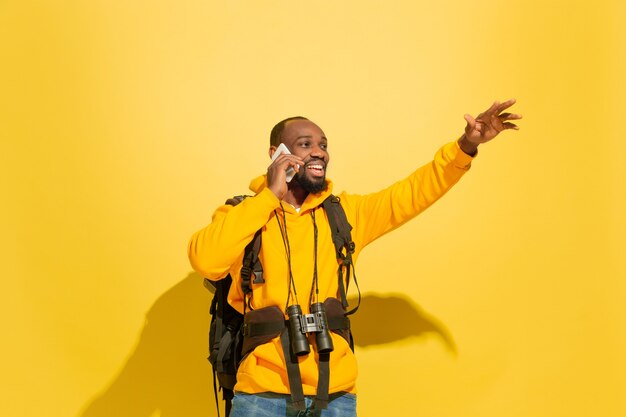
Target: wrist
(468,147)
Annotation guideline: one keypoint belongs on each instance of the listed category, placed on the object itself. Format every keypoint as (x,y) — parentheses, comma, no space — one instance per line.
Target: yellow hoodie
(218,250)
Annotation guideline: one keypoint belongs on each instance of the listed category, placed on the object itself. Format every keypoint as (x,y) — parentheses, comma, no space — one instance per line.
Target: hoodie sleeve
(214,249)
(378,213)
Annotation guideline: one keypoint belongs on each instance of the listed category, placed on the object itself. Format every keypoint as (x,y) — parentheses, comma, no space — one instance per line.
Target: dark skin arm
(487,125)
(483,128)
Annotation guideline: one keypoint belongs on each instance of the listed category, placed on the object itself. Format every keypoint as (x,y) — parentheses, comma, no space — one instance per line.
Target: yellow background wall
(125,123)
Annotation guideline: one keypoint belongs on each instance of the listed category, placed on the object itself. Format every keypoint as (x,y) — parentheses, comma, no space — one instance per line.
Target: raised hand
(487,125)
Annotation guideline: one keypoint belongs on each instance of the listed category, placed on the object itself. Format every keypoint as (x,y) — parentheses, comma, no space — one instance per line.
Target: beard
(313,186)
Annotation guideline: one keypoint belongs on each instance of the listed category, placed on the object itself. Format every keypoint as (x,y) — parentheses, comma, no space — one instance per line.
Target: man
(297,253)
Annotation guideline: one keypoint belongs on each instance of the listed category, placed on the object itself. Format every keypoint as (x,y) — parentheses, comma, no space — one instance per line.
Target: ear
(272,150)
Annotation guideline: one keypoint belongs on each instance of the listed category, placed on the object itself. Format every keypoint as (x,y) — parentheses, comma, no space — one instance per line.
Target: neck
(295,195)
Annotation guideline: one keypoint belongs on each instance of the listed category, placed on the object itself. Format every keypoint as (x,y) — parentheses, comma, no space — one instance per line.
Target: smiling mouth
(315,168)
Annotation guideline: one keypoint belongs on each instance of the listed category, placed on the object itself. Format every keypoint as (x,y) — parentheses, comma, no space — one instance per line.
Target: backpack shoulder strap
(251,262)
(339,226)
(344,246)
(236,200)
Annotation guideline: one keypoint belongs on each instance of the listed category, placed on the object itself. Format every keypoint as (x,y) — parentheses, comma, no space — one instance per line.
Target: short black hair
(277,131)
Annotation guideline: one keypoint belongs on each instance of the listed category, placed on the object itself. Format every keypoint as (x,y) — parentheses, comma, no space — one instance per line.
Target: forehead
(297,129)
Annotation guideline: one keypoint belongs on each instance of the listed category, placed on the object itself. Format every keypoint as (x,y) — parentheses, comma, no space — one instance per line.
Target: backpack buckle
(258,277)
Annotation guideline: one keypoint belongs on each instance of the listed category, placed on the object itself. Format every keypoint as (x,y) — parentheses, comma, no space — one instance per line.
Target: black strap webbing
(344,246)
(323,381)
(251,265)
(215,392)
(262,329)
(227,407)
(339,226)
(293,372)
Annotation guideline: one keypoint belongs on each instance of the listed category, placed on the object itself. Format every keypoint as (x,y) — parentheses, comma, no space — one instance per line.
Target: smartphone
(280,150)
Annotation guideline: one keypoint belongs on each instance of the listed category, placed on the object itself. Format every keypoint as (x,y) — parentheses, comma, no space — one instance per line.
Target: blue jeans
(268,404)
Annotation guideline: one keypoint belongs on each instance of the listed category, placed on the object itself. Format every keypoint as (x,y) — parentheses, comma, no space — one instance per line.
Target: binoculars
(301,324)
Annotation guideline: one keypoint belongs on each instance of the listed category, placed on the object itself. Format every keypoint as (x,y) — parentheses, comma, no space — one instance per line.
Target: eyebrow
(309,137)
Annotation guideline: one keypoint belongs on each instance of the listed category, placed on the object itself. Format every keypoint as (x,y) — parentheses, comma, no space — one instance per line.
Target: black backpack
(226,335)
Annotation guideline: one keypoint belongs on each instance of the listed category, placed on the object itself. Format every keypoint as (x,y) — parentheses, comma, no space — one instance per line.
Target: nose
(318,152)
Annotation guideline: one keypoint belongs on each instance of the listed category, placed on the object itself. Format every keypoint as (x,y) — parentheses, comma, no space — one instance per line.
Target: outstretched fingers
(509,125)
(491,111)
(510,116)
(503,106)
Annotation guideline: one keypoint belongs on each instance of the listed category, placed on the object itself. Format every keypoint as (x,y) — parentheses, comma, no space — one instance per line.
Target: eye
(324,146)
(305,144)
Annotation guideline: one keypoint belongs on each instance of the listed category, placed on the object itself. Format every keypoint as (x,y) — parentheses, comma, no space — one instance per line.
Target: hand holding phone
(280,150)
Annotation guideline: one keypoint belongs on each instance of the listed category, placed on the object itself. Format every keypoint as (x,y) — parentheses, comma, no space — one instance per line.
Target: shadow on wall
(168,375)
(388,318)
